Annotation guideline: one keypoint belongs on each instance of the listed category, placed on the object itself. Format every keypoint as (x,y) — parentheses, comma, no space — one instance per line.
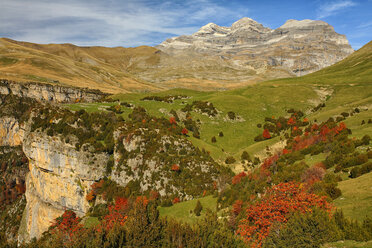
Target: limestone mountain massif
(214,57)
(249,50)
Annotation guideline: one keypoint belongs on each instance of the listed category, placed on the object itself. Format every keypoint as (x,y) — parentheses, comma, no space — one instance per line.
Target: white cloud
(108,23)
(332,8)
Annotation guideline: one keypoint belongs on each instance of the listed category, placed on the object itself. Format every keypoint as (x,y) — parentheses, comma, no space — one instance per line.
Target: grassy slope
(181,211)
(92,67)
(356,199)
(348,244)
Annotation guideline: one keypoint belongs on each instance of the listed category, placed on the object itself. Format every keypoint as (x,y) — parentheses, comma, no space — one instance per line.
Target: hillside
(273,98)
(92,67)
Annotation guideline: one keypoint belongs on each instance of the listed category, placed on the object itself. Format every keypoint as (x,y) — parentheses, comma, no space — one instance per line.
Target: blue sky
(149,22)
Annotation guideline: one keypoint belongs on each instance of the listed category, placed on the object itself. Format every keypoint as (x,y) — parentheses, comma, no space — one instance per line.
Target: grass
(356,199)
(89,222)
(253,104)
(348,244)
(181,211)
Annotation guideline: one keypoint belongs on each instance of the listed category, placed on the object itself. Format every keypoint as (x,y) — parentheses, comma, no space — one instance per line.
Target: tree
(308,230)
(230,160)
(198,208)
(220,134)
(67,228)
(213,139)
(245,156)
(276,207)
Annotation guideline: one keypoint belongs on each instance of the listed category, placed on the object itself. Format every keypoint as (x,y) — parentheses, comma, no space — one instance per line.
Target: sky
(132,23)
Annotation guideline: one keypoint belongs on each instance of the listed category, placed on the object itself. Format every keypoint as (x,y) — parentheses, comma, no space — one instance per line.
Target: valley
(192,143)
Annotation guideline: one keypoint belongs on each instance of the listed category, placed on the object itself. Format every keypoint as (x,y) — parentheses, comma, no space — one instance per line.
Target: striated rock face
(11,134)
(295,48)
(59,179)
(47,92)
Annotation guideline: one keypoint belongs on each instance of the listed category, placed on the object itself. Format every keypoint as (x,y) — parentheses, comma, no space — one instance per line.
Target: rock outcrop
(59,179)
(48,92)
(11,132)
(295,48)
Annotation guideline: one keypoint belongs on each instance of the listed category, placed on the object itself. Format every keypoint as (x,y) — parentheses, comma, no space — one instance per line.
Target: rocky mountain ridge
(299,47)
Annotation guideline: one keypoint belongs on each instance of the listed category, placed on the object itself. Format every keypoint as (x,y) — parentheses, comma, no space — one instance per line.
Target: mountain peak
(243,22)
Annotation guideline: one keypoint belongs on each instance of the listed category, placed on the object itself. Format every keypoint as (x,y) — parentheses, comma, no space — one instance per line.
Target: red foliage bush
(291,121)
(285,151)
(67,227)
(175,167)
(237,207)
(313,174)
(266,134)
(142,201)
(172,120)
(185,131)
(154,195)
(236,179)
(277,206)
(116,216)
(176,200)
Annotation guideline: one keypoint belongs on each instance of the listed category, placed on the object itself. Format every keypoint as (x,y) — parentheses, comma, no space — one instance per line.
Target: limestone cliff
(59,179)
(11,132)
(48,92)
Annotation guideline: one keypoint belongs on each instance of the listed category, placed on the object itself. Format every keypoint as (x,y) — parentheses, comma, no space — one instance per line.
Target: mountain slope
(93,67)
(356,68)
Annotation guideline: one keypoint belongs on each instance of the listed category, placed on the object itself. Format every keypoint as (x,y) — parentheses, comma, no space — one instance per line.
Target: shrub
(230,160)
(198,208)
(245,156)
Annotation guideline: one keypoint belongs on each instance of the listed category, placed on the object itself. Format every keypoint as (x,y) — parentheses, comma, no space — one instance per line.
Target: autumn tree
(277,205)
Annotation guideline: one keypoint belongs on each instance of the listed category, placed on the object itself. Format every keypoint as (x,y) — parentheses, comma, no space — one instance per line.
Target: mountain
(356,68)
(213,58)
(295,48)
